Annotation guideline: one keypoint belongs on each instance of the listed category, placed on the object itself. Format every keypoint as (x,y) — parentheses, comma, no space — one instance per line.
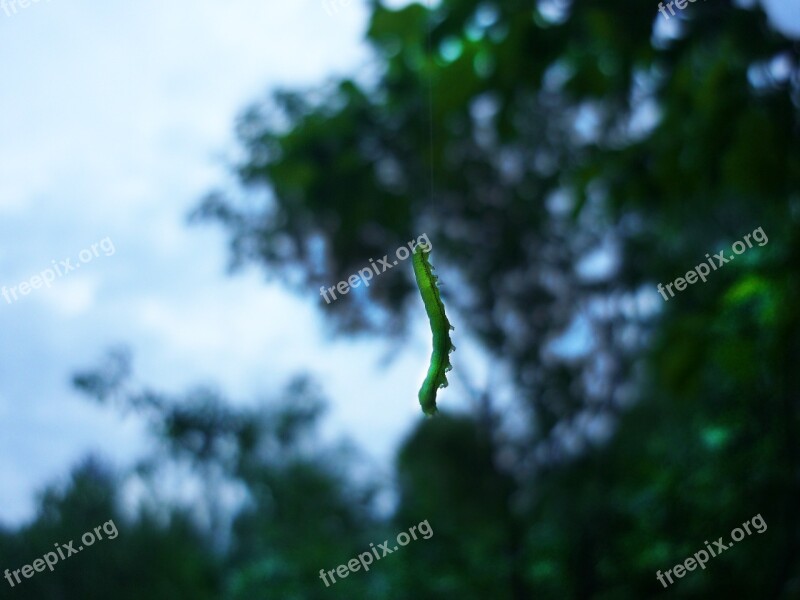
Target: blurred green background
(564,159)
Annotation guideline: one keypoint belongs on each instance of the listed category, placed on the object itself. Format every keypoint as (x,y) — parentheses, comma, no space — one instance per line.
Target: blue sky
(115,118)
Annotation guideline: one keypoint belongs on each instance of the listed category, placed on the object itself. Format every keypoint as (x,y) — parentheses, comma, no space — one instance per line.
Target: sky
(115,119)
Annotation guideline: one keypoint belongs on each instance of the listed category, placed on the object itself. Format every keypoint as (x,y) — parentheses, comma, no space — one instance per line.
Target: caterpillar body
(440,328)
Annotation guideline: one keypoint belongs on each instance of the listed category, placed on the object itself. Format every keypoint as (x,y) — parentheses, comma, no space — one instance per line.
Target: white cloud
(112,117)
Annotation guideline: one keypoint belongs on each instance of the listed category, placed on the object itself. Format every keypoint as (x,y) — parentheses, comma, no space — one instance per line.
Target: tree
(564,136)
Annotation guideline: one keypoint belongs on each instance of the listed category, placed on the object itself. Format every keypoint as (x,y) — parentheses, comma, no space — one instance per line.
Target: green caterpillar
(440,327)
